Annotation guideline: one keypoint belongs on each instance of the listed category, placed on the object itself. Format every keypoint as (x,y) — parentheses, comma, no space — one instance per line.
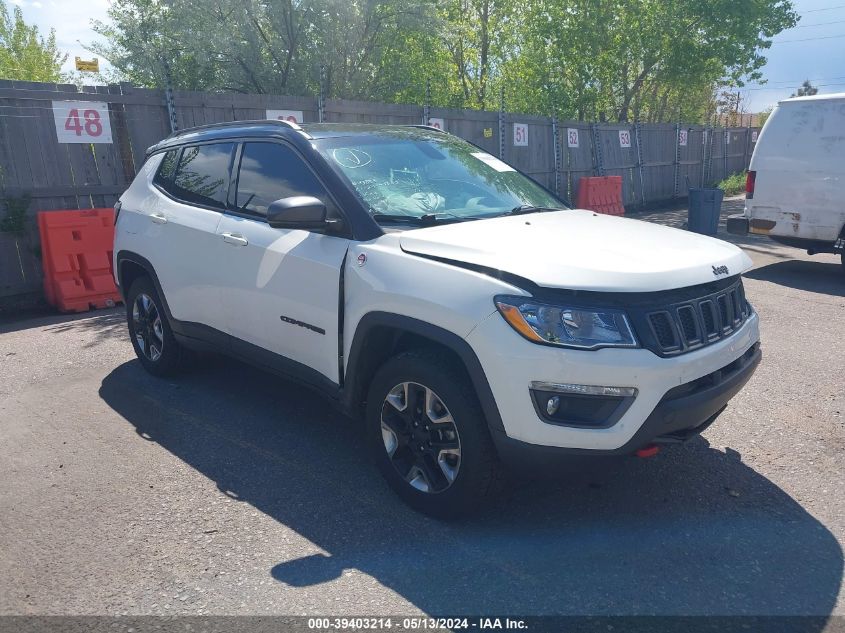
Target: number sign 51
(82,121)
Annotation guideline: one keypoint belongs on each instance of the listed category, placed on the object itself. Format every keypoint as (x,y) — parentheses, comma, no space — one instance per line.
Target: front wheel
(430,437)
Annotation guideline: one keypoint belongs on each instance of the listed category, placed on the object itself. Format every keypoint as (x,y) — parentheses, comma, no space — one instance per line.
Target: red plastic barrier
(76,251)
(602,194)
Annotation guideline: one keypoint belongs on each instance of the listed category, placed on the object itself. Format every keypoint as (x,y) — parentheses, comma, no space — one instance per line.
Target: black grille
(661,325)
(696,322)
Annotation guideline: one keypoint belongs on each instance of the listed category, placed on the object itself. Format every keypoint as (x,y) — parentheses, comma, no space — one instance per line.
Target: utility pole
(168,97)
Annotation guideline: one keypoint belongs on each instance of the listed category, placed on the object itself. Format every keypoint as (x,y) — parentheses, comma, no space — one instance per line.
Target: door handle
(235,239)
(158,218)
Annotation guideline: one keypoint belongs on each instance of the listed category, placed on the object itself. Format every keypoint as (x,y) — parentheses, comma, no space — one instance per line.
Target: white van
(795,189)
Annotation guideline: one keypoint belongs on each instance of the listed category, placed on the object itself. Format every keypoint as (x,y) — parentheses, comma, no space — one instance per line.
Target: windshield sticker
(351,158)
(492,161)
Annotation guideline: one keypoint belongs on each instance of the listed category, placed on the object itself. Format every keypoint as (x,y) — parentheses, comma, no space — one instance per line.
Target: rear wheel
(149,330)
(429,435)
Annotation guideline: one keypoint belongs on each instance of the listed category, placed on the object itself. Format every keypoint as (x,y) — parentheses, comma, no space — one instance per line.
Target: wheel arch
(381,335)
(131,266)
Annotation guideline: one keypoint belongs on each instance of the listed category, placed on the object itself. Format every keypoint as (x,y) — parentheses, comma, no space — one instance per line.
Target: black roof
(278,129)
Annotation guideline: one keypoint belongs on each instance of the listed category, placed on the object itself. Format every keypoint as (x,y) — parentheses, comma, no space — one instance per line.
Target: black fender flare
(444,337)
(143,262)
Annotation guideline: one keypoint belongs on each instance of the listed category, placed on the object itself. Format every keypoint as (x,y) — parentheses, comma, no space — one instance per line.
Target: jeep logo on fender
(721,270)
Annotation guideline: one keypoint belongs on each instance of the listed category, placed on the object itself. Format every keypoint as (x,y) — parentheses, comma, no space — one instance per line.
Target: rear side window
(167,169)
(202,176)
(270,171)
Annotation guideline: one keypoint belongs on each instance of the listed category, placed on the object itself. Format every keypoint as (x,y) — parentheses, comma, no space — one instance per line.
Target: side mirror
(297,212)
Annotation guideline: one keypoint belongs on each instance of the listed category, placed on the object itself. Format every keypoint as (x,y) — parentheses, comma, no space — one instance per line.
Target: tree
(24,54)
(806,90)
(255,45)
(646,60)
(631,58)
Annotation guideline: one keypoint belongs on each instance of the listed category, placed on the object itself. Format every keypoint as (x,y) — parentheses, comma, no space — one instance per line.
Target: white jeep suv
(459,308)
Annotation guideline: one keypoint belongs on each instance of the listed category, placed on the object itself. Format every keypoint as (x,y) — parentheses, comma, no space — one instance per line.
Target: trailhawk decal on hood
(581,250)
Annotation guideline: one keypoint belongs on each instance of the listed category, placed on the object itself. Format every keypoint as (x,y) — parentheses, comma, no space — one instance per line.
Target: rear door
(280,287)
(193,185)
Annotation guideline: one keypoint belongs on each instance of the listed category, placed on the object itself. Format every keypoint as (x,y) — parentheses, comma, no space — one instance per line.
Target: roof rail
(422,126)
(223,124)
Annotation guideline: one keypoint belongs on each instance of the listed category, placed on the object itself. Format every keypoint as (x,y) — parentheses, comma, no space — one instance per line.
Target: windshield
(413,175)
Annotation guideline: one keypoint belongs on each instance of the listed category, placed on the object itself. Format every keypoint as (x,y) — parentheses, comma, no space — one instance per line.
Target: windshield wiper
(529,208)
(427,219)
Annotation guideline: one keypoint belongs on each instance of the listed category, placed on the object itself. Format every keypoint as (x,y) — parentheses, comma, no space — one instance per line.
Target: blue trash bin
(705,205)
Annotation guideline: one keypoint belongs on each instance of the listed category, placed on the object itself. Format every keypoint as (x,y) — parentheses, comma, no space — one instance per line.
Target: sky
(797,54)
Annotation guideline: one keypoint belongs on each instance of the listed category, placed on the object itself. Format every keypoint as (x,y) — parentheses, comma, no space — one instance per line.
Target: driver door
(280,287)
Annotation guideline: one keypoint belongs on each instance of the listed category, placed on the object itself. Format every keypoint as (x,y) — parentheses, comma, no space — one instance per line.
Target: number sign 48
(82,121)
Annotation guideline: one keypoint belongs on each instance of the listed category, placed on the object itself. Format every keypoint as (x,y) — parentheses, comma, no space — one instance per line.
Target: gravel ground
(232,492)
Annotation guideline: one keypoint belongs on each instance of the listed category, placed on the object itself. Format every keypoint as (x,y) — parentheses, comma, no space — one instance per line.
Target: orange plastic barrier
(76,252)
(602,194)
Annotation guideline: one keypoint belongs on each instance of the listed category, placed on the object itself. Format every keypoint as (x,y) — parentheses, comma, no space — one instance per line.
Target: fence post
(321,97)
(639,139)
(747,143)
(427,104)
(710,135)
(168,97)
(557,156)
(594,129)
(502,122)
(677,158)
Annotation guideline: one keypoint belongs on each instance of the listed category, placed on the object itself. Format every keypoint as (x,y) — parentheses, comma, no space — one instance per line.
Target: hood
(582,250)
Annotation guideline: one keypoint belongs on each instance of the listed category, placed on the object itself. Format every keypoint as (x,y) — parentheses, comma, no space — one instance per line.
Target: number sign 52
(82,121)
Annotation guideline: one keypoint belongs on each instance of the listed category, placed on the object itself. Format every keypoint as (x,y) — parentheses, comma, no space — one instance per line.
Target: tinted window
(164,175)
(270,171)
(202,176)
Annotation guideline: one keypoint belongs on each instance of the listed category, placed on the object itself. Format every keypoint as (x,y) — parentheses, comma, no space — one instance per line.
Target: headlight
(567,326)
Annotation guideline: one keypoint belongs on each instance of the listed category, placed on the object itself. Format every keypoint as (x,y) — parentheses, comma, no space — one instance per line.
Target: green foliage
(14,218)
(734,184)
(806,89)
(647,60)
(24,54)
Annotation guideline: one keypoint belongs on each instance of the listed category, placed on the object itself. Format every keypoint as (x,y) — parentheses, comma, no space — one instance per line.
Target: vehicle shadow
(815,276)
(691,531)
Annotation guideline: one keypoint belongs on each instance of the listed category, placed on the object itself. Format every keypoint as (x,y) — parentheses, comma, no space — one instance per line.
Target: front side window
(202,176)
(412,174)
(269,172)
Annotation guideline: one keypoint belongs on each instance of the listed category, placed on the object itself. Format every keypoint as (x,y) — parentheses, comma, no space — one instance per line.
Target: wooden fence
(656,161)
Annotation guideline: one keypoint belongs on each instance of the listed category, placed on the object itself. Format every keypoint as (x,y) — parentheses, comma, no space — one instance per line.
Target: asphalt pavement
(230,491)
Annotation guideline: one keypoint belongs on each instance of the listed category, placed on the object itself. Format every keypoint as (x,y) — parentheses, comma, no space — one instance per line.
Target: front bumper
(674,395)
(681,414)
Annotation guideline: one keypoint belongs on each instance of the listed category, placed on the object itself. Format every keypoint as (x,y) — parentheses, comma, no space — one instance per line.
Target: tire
(417,463)
(150,332)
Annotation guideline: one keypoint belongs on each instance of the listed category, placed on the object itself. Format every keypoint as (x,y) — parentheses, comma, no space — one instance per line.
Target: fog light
(552,405)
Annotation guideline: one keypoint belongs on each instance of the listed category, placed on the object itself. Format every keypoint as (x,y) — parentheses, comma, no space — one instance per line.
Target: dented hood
(582,250)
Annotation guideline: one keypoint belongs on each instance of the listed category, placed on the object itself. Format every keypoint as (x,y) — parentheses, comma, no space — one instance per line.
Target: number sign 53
(82,121)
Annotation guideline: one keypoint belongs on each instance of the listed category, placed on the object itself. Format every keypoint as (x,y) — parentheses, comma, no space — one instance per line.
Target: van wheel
(149,330)
(429,435)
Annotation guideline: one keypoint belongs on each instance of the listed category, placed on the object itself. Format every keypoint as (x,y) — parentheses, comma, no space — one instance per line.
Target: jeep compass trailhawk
(462,310)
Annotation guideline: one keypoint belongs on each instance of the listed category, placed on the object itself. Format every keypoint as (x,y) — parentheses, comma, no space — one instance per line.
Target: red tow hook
(648,451)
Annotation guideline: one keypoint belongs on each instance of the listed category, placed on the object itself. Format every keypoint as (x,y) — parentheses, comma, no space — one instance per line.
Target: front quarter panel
(380,277)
